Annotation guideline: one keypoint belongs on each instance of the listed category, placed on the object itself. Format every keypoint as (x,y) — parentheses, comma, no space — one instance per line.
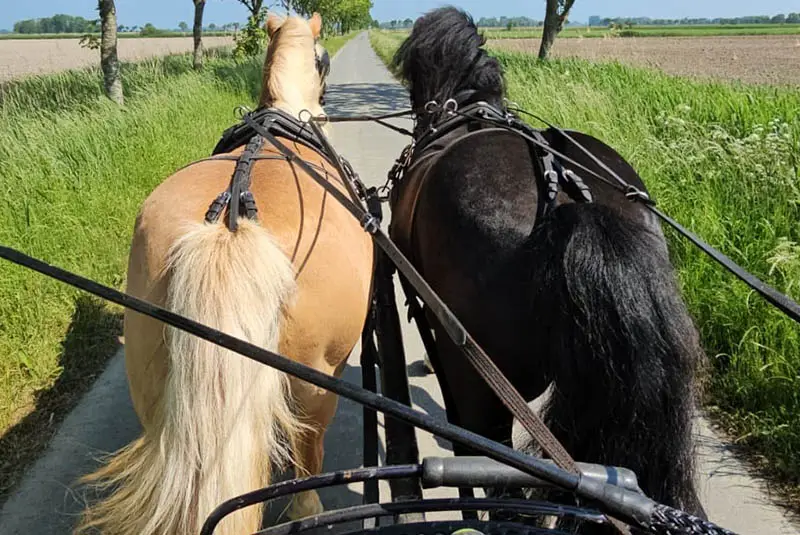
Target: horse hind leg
(319,408)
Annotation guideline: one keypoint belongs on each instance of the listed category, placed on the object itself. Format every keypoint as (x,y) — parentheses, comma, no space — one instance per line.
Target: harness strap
(238,197)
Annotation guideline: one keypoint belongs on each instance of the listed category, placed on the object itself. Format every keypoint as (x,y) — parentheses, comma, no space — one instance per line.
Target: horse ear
(316,24)
(274,22)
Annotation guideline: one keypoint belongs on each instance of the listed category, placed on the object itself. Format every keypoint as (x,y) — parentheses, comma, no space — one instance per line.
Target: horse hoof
(304,505)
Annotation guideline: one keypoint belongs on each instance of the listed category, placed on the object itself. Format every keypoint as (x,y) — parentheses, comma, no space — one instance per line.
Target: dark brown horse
(576,290)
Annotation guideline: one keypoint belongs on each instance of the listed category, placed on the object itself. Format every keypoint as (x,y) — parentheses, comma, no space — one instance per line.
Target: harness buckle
(215,210)
(370,224)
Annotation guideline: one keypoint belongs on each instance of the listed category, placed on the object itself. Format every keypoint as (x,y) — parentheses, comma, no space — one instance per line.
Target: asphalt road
(47,500)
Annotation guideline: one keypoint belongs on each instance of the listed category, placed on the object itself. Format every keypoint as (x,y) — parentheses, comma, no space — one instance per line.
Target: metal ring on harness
(450,105)
(635,194)
(431,107)
(310,116)
(240,111)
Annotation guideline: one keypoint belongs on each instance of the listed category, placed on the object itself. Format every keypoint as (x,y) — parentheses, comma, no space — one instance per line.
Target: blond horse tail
(225,417)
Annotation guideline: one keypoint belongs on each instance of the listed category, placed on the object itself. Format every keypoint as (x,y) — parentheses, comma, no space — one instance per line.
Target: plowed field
(40,56)
(752,59)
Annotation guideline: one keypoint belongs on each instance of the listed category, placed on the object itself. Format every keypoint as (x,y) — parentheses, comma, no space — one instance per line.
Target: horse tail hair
(621,347)
(224,418)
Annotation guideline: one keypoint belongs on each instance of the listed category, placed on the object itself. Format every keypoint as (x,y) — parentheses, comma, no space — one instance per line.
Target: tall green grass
(74,170)
(724,160)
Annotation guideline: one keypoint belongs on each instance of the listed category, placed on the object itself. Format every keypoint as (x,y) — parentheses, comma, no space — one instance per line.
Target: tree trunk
(109,61)
(199,6)
(554,18)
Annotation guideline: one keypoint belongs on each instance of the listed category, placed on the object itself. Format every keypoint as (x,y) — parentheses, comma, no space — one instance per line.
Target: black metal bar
(401,438)
(294,486)
(526,507)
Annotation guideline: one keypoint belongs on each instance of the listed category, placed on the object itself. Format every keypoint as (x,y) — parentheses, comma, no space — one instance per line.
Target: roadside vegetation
(74,169)
(724,160)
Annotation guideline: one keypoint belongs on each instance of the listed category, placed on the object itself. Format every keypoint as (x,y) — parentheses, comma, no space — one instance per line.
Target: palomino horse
(569,290)
(295,281)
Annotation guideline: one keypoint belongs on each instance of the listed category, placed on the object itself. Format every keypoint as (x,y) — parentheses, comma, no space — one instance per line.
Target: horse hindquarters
(621,346)
(225,416)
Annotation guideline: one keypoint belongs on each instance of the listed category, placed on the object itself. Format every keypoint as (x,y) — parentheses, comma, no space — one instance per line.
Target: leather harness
(410,171)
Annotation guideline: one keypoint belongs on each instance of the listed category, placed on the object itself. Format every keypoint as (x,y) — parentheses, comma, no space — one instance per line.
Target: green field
(723,160)
(74,169)
(650,31)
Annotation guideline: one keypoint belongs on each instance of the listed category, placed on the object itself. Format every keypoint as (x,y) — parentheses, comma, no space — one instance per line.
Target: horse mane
(444,55)
(290,69)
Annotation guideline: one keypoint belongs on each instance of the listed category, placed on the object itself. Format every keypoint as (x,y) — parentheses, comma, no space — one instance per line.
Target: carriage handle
(485,472)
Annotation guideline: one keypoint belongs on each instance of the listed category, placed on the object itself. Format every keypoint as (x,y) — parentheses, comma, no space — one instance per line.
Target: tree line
(791,18)
(56,24)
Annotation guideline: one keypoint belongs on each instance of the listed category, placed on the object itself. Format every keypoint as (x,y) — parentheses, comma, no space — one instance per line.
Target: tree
(183,26)
(251,40)
(197,31)
(555,16)
(109,61)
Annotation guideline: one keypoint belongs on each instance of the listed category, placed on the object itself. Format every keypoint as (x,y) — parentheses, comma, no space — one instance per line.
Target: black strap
(238,197)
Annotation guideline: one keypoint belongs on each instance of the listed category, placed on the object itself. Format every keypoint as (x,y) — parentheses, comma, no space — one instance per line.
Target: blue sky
(167,13)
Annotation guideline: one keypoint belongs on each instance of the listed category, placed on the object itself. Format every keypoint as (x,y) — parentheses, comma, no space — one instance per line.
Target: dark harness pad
(279,123)
(238,198)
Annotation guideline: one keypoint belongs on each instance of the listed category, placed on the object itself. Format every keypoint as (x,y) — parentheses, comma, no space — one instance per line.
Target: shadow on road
(91,339)
(377,98)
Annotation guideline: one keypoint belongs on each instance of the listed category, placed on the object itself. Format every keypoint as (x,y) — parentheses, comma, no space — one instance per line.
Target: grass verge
(724,160)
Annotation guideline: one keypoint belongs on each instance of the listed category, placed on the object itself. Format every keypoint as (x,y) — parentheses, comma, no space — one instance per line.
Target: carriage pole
(401,438)
(368,381)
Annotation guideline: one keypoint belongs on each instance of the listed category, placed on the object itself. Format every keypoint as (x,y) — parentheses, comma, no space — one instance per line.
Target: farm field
(767,59)
(723,159)
(74,169)
(699,30)
(20,57)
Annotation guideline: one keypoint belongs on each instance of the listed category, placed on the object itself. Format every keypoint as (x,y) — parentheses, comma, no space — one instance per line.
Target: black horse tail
(621,347)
